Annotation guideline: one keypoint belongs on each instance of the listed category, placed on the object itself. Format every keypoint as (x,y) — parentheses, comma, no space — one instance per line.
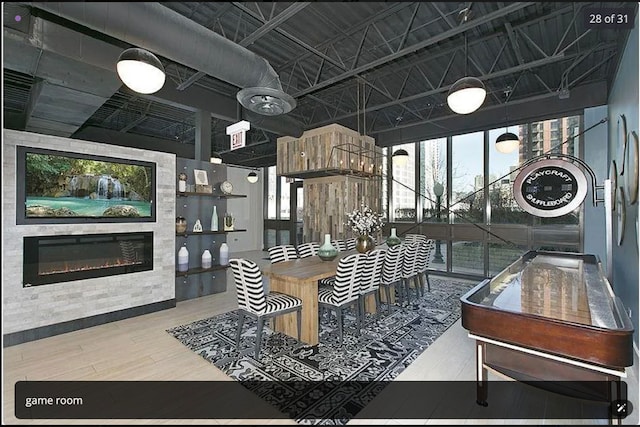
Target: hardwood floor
(139,349)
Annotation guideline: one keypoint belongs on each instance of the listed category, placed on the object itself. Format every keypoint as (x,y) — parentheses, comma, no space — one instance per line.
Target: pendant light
(400,157)
(508,141)
(140,70)
(468,93)
(252,177)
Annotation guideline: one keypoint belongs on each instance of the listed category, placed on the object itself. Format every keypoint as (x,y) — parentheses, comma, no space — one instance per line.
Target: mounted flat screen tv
(57,187)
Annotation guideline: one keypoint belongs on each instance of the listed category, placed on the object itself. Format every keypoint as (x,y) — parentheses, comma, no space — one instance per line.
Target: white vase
(206,259)
(183,259)
(224,254)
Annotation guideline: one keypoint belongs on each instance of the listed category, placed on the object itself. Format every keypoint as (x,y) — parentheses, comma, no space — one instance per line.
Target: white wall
(247,211)
(37,306)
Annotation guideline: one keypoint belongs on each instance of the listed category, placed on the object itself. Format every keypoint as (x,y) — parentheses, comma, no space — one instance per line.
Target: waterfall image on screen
(66,185)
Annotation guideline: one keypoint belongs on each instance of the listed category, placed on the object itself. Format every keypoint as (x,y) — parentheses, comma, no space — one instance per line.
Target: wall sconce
(252,177)
(140,70)
(400,157)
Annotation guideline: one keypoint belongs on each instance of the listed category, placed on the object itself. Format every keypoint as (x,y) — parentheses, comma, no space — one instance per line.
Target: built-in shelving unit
(191,205)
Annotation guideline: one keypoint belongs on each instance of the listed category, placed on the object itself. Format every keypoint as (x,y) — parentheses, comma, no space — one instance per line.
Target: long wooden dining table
(299,278)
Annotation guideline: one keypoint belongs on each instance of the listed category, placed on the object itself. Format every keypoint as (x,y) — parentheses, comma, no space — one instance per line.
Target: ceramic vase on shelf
(364,243)
(224,254)
(181,225)
(214,219)
(183,259)
(206,259)
(327,252)
(393,239)
(182,182)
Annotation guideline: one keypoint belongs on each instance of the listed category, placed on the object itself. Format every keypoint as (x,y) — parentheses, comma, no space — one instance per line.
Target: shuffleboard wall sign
(550,188)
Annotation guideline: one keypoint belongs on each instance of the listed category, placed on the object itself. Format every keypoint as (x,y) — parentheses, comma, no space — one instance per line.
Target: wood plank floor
(139,349)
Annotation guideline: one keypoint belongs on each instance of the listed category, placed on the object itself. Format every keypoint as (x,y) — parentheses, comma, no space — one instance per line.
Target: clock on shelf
(226,187)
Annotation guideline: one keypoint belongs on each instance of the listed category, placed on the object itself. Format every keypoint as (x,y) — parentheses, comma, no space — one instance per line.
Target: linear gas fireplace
(53,259)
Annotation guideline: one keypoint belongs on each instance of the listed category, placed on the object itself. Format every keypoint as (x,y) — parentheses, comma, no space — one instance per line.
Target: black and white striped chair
(370,280)
(350,243)
(425,253)
(282,253)
(415,238)
(410,268)
(308,249)
(254,302)
(346,288)
(391,271)
(340,245)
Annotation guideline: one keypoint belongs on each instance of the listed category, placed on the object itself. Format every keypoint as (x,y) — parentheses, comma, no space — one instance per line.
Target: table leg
(481,375)
(307,291)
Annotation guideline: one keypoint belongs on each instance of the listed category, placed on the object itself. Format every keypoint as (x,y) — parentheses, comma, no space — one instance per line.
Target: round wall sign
(550,188)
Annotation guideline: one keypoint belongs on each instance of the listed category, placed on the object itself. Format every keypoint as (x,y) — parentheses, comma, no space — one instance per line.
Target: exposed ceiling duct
(188,43)
(70,84)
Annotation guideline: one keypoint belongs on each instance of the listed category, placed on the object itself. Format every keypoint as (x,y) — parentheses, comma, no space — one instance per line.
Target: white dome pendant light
(468,93)
(508,141)
(140,70)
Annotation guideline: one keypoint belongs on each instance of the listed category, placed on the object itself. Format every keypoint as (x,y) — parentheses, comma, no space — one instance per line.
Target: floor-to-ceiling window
(403,187)
(481,228)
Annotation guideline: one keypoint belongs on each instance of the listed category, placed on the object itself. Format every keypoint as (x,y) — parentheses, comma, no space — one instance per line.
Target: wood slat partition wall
(341,170)
(328,200)
(331,149)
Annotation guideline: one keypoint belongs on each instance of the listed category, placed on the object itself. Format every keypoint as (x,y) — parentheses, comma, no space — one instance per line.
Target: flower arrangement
(364,221)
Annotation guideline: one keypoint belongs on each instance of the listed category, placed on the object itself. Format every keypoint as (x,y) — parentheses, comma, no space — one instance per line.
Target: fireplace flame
(68,267)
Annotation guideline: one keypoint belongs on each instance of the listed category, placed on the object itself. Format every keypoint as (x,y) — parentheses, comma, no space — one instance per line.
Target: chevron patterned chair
(345,291)
(308,249)
(255,303)
(410,268)
(391,271)
(282,253)
(425,253)
(370,281)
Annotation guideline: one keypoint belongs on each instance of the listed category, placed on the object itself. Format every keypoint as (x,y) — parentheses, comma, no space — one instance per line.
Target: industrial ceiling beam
(413,48)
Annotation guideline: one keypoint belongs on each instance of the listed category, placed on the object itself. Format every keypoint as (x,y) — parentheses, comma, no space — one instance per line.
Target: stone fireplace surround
(40,311)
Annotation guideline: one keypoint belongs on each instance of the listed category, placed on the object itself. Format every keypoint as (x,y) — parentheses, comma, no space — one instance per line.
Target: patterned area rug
(382,349)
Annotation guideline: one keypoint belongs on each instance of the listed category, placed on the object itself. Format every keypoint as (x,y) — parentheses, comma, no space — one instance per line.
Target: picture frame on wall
(201,177)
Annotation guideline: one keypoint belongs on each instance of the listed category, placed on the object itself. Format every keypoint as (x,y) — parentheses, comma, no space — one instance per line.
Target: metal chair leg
(239,331)
(387,290)
(299,321)
(377,296)
(339,315)
(259,336)
(428,283)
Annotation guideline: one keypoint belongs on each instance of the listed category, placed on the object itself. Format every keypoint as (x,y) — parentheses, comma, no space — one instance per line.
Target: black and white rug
(301,380)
